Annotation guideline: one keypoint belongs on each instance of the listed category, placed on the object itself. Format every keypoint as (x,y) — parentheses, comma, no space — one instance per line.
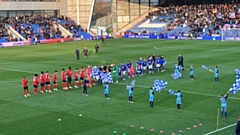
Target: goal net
(230,34)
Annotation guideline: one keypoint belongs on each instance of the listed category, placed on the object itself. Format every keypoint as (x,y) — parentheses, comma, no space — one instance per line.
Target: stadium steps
(135,22)
(64,31)
(14,33)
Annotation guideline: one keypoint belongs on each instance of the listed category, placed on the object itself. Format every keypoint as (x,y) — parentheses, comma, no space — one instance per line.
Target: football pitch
(39,115)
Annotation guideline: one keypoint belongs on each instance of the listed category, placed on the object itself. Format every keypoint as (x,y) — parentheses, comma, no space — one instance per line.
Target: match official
(96,48)
(180,61)
(77,53)
(85,52)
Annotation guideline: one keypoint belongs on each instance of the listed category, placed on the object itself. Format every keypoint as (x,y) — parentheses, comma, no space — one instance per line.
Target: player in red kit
(42,81)
(25,86)
(35,84)
(75,75)
(55,85)
(89,72)
(69,76)
(47,79)
(64,82)
(82,76)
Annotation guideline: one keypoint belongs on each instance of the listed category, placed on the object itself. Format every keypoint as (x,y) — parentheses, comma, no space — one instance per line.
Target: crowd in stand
(70,25)
(3,32)
(33,27)
(210,17)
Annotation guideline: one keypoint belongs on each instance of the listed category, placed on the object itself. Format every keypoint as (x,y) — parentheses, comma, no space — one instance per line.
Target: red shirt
(63,75)
(42,78)
(69,73)
(35,80)
(55,77)
(75,74)
(88,71)
(47,77)
(24,82)
(82,73)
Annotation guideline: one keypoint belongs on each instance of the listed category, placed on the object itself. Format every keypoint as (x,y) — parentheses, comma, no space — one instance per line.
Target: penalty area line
(209,133)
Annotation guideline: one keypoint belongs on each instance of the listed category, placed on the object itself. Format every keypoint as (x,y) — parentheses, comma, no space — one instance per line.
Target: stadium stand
(195,20)
(71,26)
(40,27)
(4,36)
(34,26)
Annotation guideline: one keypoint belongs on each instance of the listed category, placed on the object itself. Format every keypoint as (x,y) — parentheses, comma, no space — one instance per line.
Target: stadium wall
(29,6)
(126,11)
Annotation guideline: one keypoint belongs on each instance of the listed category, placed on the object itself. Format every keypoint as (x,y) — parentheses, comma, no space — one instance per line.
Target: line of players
(66,76)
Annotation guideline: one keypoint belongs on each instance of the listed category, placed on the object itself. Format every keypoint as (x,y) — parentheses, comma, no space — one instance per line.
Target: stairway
(135,22)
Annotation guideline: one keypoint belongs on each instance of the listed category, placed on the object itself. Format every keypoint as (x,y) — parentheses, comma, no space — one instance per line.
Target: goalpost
(230,34)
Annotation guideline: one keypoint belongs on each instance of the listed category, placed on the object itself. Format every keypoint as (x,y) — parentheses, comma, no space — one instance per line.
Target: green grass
(38,115)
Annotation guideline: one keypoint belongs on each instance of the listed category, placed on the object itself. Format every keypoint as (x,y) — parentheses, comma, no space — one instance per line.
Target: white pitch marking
(209,133)
(195,93)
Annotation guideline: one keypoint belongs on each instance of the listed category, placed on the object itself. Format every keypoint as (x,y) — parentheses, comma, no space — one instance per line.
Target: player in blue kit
(216,74)
(106,90)
(178,99)
(158,63)
(130,93)
(141,64)
(124,70)
(237,73)
(191,72)
(138,70)
(223,101)
(163,63)
(151,96)
(176,68)
(144,66)
(150,65)
(129,64)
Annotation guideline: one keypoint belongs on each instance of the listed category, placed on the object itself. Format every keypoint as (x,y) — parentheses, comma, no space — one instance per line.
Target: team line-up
(95,74)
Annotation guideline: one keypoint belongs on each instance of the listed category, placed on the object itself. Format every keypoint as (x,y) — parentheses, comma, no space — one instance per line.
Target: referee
(77,53)
(180,61)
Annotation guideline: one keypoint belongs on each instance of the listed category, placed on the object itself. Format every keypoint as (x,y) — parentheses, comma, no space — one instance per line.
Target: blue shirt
(223,101)
(151,93)
(129,64)
(150,61)
(106,86)
(178,96)
(144,63)
(123,67)
(191,70)
(138,62)
(130,89)
(162,61)
(175,66)
(141,62)
(158,61)
(216,71)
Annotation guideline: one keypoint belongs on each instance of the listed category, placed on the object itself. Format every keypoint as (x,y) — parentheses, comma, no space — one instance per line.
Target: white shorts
(128,70)
(157,65)
(150,66)
(124,72)
(144,68)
